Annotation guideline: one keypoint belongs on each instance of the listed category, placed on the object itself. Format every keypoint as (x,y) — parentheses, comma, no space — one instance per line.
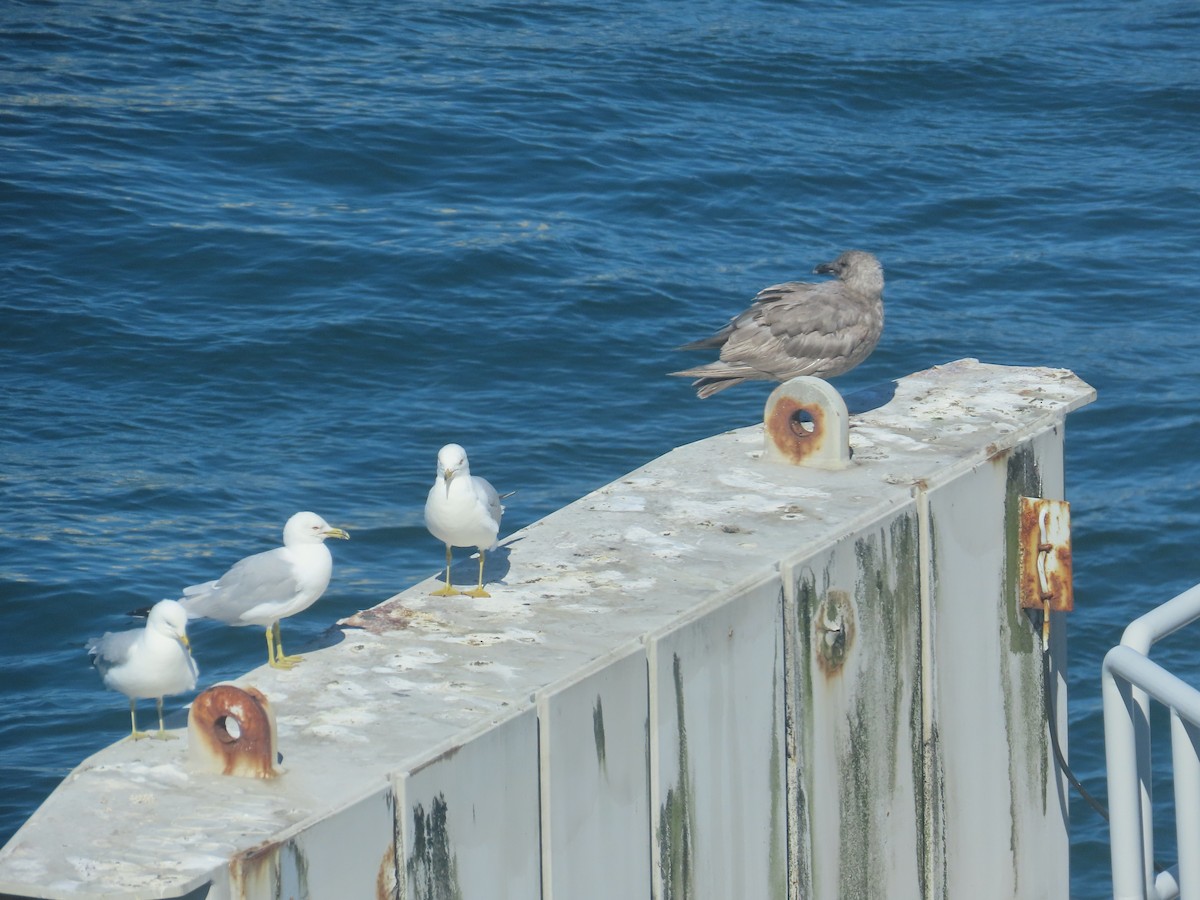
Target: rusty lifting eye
(805,423)
(802,423)
(231,731)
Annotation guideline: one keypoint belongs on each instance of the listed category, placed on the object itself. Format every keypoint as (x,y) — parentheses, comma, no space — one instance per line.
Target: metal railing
(1130,681)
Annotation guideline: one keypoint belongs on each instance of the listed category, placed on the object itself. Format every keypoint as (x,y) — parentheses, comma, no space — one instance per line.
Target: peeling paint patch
(621,503)
(486,638)
(417,658)
(659,545)
(752,480)
(337,733)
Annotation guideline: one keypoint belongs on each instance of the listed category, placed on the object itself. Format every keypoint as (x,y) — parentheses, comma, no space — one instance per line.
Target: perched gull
(462,510)
(269,586)
(148,662)
(799,328)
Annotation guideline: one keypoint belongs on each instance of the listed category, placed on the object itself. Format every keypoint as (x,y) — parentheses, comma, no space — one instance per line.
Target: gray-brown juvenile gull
(152,661)
(269,586)
(799,328)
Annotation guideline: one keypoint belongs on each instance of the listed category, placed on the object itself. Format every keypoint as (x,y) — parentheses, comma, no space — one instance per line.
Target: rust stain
(833,631)
(444,755)
(786,428)
(387,885)
(270,869)
(997,452)
(251,872)
(247,751)
(1057,567)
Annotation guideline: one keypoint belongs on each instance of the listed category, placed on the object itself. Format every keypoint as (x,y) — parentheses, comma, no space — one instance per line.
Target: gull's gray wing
(798,328)
(112,649)
(263,578)
(490,497)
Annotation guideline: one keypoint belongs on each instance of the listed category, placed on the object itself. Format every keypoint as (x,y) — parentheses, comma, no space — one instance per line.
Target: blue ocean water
(262,257)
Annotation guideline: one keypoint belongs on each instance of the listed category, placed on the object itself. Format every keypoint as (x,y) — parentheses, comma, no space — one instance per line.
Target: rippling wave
(264,257)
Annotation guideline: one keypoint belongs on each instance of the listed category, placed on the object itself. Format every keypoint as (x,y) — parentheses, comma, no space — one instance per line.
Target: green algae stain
(432,867)
(928,773)
(291,873)
(884,715)
(777,859)
(799,721)
(1024,703)
(598,731)
(677,825)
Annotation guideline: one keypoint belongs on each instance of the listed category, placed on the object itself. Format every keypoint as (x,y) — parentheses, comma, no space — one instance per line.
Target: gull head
(858,269)
(169,618)
(309,528)
(452,461)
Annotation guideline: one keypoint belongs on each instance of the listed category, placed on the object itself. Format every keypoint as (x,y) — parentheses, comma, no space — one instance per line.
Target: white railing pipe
(1125,671)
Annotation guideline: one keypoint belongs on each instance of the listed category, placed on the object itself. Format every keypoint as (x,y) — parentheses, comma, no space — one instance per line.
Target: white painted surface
(469,818)
(1002,833)
(596,781)
(716,750)
(858,688)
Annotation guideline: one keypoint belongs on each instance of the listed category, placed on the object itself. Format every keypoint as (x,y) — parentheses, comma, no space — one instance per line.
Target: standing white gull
(799,328)
(462,510)
(152,661)
(266,587)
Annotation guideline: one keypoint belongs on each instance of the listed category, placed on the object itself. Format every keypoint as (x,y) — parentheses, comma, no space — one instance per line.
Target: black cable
(1058,754)
(1052,722)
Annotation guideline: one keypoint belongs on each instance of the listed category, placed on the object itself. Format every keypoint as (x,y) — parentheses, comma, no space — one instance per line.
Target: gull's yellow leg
(478,591)
(275,657)
(449,590)
(280,657)
(270,647)
(162,732)
(134,734)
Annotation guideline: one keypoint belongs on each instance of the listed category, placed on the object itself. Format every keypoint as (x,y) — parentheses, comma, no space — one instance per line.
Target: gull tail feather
(712,342)
(713,377)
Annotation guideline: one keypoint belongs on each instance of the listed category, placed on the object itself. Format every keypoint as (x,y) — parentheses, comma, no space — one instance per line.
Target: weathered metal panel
(1002,831)
(468,823)
(856,713)
(595,782)
(718,799)
(348,854)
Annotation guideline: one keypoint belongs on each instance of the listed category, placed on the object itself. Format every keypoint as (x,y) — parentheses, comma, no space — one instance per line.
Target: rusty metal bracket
(1045,550)
(806,423)
(231,731)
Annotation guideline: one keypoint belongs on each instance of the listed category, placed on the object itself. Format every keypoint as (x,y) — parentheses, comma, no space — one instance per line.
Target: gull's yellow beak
(337,533)
(183,638)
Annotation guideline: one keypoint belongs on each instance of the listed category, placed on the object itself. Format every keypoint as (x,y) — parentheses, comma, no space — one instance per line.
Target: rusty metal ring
(214,746)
